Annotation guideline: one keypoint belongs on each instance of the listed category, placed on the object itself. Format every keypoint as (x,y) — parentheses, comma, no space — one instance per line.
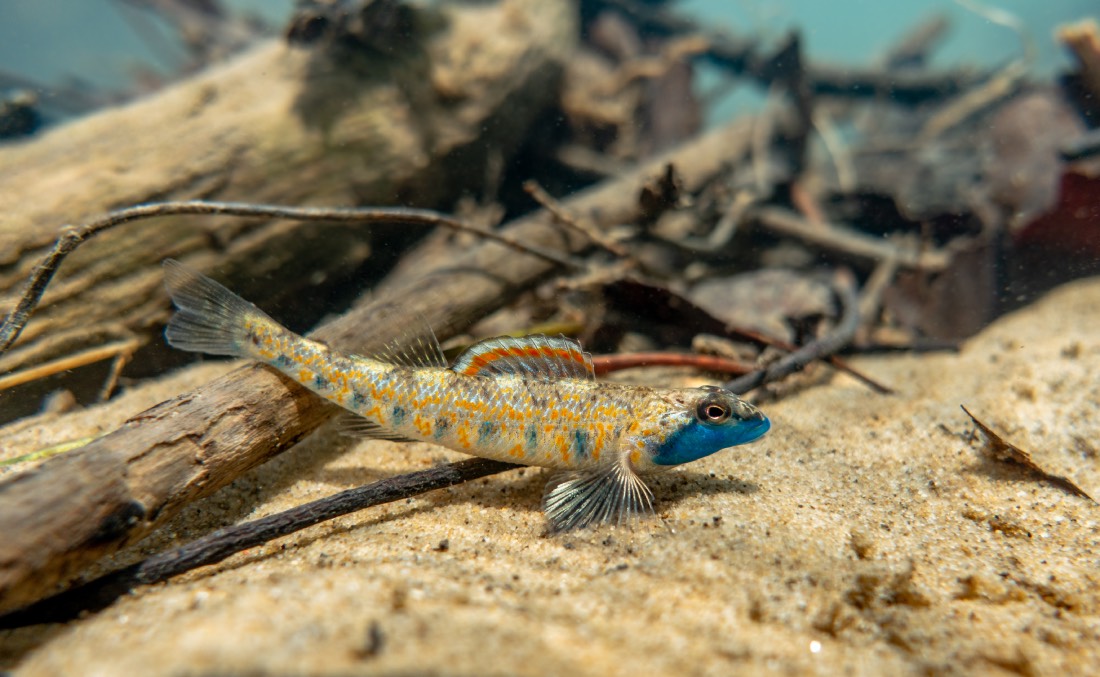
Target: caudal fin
(211,319)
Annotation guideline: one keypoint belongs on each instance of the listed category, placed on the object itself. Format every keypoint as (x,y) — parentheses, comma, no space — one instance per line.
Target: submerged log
(278,125)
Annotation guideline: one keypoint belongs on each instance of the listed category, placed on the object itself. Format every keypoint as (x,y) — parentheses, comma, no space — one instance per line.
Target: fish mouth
(755,428)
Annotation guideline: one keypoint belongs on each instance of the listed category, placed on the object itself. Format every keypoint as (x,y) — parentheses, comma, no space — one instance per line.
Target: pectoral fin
(611,493)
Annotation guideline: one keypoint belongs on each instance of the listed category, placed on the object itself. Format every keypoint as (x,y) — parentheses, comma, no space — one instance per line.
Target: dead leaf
(1004,452)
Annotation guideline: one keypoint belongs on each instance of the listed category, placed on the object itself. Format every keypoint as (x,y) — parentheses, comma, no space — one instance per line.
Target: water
(95,41)
(92,40)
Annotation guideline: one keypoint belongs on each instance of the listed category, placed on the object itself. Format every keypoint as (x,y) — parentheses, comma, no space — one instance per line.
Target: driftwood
(77,507)
(221,544)
(277,125)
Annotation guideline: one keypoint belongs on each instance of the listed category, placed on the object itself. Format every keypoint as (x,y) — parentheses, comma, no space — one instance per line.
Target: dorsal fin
(534,357)
(415,347)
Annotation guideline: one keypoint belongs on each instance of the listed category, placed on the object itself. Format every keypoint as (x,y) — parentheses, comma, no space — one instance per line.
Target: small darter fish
(532,401)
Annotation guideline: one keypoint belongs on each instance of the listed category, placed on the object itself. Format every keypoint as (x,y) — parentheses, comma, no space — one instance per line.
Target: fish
(533,401)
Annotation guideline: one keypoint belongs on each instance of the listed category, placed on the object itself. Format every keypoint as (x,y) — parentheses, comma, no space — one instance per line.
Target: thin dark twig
(829,344)
(217,546)
(836,362)
(917,346)
(563,216)
(73,236)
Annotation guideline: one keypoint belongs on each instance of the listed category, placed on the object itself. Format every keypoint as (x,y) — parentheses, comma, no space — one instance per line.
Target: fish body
(532,401)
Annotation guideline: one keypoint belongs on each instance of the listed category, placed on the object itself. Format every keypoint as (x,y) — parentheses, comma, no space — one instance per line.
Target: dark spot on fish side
(398,415)
(580,443)
(486,431)
(441,425)
(532,436)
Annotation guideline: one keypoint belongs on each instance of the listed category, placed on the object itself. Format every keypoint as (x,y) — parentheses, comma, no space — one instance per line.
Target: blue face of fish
(721,420)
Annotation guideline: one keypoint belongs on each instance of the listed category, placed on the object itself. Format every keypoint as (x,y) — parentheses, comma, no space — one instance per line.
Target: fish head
(697,422)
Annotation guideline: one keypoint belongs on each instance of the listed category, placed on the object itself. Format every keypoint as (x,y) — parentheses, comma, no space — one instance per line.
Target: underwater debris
(1002,451)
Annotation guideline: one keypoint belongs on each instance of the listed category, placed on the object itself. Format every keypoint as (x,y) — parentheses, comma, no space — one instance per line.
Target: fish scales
(532,400)
(559,424)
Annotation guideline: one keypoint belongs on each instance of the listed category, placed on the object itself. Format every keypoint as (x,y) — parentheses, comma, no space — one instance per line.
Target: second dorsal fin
(535,357)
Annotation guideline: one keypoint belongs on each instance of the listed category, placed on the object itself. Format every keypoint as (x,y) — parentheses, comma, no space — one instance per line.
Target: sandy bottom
(864,535)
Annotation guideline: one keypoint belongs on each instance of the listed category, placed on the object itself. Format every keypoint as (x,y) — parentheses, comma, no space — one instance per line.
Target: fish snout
(753,423)
(746,412)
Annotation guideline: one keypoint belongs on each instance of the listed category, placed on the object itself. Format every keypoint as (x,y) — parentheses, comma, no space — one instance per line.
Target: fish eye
(713,410)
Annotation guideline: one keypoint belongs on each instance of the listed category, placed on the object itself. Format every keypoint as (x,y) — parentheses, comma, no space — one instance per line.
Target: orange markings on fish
(536,406)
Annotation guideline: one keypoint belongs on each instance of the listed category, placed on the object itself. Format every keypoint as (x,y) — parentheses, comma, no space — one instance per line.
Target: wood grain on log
(120,487)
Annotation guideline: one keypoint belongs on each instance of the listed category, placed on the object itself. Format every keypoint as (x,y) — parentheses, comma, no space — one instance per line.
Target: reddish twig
(605,364)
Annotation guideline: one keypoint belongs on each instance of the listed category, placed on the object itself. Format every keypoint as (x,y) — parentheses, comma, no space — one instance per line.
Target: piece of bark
(77,507)
(277,125)
(1024,166)
(1083,41)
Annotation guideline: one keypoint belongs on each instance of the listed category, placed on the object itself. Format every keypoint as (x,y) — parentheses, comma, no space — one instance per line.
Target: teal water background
(92,40)
(95,41)
(856,31)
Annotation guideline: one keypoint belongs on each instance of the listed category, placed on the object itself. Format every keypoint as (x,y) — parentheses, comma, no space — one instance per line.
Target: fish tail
(210,318)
